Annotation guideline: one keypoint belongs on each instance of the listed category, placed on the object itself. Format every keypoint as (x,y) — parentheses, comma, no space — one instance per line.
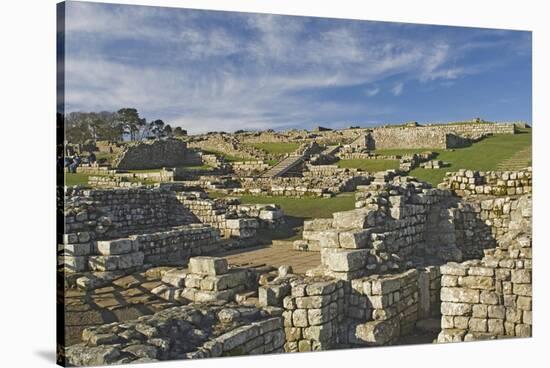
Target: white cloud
(397,89)
(372,92)
(241,70)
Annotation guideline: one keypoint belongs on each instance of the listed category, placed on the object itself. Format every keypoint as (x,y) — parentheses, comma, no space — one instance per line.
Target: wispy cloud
(372,91)
(397,89)
(205,70)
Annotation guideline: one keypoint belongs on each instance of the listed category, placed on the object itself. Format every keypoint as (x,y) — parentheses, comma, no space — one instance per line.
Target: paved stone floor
(275,255)
(129,297)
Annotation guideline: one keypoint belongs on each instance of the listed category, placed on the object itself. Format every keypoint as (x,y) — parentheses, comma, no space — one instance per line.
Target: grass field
(486,154)
(307,207)
(228,158)
(277,148)
(369,165)
(299,209)
(404,151)
(76,179)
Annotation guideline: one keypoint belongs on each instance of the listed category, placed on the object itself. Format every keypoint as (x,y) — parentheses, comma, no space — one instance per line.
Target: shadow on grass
(291,230)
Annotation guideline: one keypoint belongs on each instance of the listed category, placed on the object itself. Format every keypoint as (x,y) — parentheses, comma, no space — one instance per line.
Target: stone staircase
(519,160)
(330,150)
(283,166)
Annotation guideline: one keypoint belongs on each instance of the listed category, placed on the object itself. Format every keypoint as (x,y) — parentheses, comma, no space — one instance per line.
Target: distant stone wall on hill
(154,155)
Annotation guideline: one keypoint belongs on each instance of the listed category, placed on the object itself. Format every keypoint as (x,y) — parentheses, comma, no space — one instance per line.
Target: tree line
(114,126)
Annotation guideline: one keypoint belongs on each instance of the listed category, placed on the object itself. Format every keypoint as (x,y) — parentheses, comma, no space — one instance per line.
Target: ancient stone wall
(155,154)
(227,144)
(311,184)
(113,182)
(386,232)
(126,254)
(313,311)
(183,332)
(113,213)
(404,137)
(387,307)
(217,214)
(489,298)
(249,168)
(322,313)
(496,183)
(94,170)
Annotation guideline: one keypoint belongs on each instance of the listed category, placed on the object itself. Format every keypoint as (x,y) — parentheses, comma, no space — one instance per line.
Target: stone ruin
(453,260)
(155,154)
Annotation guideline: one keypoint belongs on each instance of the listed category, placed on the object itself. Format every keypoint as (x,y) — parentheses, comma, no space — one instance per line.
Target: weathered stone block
(456,309)
(317,301)
(317,224)
(75,263)
(329,239)
(78,249)
(340,260)
(355,239)
(479,311)
(523,289)
(451,335)
(477,325)
(175,278)
(115,247)
(354,219)
(521,276)
(273,294)
(320,288)
(377,332)
(454,269)
(489,297)
(476,282)
(460,295)
(319,316)
(496,326)
(208,265)
(496,311)
(524,303)
(321,333)
(299,318)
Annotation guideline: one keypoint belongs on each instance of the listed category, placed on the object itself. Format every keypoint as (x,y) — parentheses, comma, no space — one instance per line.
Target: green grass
(76,179)
(143,171)
(484,155)
(401,152)
(276,148)
(196,167)
(296,211)
(369,165)
(308,207)
(105,157)
(228,158)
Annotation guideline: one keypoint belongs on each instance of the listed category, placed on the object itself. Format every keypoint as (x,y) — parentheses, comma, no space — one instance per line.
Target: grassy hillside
(277,148)
(487,154)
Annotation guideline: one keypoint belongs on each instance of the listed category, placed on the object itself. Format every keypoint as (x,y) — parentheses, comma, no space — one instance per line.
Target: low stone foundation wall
(489,298)
(313,311)
(113,182)
(155,154)
(249,168)
(186,332)
(174,245)
(321,312)
(497,183)
(94,170)
(310,185)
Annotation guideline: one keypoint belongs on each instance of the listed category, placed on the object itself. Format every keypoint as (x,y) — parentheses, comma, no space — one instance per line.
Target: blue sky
(206,70)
